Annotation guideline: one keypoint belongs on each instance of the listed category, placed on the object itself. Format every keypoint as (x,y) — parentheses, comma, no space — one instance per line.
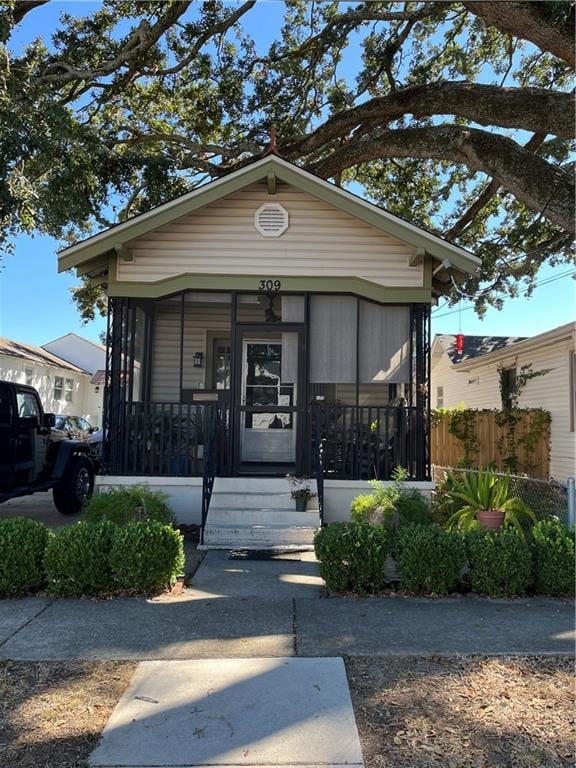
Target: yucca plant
(487,500)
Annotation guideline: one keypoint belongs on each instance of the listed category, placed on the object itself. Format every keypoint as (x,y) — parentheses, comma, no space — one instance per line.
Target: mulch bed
(464,712)
(52,713)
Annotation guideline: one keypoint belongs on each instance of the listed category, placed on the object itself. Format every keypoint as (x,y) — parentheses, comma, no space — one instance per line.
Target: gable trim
(119,234)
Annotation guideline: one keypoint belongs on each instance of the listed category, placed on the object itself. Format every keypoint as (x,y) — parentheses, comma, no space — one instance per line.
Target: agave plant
(486,494)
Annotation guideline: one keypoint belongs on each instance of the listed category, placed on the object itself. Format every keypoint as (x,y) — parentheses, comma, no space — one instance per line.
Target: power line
(523,293)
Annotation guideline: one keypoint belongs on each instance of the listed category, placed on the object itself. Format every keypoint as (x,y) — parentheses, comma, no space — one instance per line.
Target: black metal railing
(367,442)
(318,466)
(165,439)
(213,459)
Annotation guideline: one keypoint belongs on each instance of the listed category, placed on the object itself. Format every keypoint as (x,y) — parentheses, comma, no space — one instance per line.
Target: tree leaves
(426,105)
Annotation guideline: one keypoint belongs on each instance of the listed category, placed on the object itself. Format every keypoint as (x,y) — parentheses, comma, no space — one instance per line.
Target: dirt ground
(411,713)
(464,713)
(52,713)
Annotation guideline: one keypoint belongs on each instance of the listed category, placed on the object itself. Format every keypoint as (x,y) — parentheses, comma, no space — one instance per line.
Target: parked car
(94,442)
(35,458)
(74,426)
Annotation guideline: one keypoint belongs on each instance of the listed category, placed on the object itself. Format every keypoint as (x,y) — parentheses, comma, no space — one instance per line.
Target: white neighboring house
(90,357)
(64,388)
(85,354)
(471,377)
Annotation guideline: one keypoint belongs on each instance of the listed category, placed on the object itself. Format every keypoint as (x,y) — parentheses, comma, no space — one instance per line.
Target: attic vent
(271,220)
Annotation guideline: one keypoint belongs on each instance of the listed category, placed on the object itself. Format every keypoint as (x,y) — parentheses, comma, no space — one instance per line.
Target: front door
(268,413)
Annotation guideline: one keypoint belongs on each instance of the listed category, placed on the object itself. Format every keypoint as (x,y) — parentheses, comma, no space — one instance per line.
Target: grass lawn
(411,712)
(464,712)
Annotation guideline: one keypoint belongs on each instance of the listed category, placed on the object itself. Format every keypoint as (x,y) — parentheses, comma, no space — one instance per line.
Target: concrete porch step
(262,516)
(239,485)
(257,536)
(251,499)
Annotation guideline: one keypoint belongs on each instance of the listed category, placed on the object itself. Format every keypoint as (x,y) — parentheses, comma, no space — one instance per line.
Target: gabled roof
(71,335)
(560,334)
(270,167)
(34,354)
(474,346)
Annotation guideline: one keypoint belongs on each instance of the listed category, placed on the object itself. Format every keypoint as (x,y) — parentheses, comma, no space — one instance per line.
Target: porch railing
(368,442)
(165,439)
(344,441)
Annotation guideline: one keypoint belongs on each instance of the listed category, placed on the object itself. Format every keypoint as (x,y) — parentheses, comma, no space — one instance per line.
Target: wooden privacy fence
(516,441)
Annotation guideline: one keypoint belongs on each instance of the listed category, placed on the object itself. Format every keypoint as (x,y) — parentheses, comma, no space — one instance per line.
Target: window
(508,385)
(439,397)
(69,390)
(221,357)
(572,389)
(29,374)
(27,405)
(58,387)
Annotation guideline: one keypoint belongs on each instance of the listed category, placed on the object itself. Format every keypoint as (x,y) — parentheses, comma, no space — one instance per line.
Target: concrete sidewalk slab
(399,626)
(218,575)
(265,712)
(148,629)
(15,614)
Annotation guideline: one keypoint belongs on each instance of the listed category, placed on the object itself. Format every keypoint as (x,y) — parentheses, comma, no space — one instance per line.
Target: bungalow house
(266,323)
(472,376)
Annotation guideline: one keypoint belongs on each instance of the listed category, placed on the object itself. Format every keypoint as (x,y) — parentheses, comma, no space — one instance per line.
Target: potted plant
(487,499)
(300,491)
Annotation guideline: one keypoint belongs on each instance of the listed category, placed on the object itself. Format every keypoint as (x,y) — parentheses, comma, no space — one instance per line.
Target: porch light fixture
(198,359)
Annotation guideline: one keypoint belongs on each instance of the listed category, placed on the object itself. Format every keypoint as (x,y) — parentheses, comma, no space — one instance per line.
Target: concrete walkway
(265,712)
(254,609)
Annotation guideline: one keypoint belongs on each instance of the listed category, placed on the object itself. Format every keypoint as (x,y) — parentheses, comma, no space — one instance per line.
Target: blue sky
(35,303)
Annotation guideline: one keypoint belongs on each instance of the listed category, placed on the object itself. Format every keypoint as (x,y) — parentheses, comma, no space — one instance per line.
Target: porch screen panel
(333,322)
(384,344)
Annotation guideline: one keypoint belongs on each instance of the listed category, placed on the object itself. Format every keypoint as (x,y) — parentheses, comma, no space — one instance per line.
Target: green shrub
(500,561)
(352,556)
(429,559)
(363,508)
(126,504)
(553,550)
(77,560)
(22,545)
(392,505)
(444,505)
(147,555)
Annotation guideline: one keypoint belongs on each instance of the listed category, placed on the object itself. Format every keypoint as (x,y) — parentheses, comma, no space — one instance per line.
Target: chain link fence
(546,498)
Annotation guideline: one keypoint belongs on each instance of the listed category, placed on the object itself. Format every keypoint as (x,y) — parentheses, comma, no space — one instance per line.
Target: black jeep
(35,458)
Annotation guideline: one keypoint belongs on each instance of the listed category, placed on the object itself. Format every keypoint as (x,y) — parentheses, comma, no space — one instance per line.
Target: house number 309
(269,285)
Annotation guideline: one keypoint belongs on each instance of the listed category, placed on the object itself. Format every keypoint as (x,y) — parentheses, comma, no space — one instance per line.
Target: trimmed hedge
(500,561)
(127,504)
(429,559)
(553,548)
(352,556)
(147,556)
(22,545)
(77,560)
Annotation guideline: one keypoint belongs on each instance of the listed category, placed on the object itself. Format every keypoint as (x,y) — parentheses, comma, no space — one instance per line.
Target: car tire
(76,488)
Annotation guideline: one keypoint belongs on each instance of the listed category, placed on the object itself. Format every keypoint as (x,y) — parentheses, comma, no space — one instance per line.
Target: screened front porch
(267,383)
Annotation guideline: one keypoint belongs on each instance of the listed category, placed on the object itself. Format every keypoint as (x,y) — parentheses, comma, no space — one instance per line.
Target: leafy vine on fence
(463,424)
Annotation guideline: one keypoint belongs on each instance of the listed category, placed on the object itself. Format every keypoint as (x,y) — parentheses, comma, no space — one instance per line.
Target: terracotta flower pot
(491,519)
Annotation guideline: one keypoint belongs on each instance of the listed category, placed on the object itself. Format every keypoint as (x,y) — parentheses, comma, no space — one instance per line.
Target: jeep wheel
(74,491)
